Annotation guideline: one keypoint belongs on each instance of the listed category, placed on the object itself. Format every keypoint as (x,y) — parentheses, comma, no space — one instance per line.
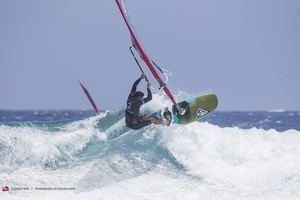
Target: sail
(86,92)
(139,48)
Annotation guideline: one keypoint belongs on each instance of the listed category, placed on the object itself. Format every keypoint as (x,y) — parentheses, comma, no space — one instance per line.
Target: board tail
(89,98)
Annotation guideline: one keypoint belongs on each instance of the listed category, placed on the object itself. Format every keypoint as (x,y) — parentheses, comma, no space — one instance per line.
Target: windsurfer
(133,118)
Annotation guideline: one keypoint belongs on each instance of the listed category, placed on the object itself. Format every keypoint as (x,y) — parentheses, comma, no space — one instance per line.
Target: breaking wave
(99,155)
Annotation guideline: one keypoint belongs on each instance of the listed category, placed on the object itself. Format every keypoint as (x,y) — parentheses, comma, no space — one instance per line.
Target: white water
(223,163)
(196,161)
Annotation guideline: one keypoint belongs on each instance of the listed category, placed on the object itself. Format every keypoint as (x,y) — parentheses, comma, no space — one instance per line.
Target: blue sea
(67,154)
(279,120)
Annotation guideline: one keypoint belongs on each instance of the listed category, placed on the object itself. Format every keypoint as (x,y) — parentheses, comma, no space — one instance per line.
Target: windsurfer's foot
(166,123)
(156,121)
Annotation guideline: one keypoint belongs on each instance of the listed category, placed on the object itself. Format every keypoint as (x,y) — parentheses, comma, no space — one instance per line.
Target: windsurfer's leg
(154,120)
(139,125)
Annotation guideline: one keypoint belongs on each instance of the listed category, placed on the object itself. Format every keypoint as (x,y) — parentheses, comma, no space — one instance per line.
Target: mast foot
(181,111)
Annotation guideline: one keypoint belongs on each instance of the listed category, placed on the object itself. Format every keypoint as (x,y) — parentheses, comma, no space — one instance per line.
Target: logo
(5,189)
(201,112)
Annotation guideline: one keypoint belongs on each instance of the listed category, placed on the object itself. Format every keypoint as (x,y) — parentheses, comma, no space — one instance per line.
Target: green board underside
(196,108)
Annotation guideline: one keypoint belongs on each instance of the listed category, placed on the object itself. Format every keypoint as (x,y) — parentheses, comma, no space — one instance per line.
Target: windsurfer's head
(138,95)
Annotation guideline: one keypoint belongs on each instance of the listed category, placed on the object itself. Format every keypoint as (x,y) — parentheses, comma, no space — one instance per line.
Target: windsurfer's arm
(135,84)
(149,95)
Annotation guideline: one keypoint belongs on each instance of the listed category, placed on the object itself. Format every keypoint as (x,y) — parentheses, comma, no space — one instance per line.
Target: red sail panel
(138,46)
(89,98)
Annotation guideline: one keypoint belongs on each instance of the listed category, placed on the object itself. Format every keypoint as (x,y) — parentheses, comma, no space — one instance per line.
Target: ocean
(76,155)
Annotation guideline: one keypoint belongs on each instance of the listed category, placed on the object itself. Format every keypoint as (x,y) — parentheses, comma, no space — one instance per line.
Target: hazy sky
(246,51)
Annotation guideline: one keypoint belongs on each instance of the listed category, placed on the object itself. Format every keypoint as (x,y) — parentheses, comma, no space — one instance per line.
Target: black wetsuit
(132,113)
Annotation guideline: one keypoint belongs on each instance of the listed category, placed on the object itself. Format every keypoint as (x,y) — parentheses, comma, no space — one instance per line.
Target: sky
(245,51)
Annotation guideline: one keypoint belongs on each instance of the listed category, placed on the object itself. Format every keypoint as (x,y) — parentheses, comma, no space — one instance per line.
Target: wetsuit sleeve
(149,96)
(133,89)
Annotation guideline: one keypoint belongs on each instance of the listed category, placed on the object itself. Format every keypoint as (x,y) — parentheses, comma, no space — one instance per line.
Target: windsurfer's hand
(142,76)
(143,115)
(149,85)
